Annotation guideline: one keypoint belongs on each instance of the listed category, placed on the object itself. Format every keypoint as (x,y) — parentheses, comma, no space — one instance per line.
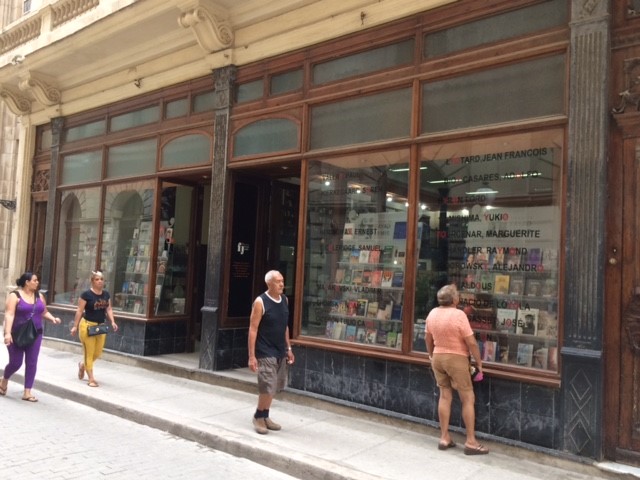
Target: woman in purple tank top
(21,304)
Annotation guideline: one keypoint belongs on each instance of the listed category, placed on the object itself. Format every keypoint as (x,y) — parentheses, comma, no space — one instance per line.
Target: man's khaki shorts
(272,375)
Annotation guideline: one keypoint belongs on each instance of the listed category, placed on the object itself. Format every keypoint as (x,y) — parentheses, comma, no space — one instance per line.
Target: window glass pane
(173,250)
(135,119)
(490,223)
(499,27)
(176,108)
(81,167)
(527,90)
(364,62)
(286,82)
(77,243)
(46,140)
(85,131)
(187,150)
(264,136)
(250,91)
(356,248)
(204,102)
(126,255)
(132,159)
(365,119)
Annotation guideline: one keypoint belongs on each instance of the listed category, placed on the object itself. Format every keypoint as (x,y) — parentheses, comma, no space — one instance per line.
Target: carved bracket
(40,87)
(631,96)
(209,24)
(17,103)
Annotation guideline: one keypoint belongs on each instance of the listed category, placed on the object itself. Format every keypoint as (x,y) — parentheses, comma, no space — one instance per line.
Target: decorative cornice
(20,34)
(40,87)
(66,10)
(16,102)
(210,25)
(630,96)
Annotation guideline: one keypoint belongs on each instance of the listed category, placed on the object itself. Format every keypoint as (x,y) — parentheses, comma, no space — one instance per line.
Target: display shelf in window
(134,290)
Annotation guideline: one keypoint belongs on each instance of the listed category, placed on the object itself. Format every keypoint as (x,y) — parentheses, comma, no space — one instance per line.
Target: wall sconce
(9,204)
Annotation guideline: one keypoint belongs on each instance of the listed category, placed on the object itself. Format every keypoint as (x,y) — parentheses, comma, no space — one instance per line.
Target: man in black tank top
(269,348)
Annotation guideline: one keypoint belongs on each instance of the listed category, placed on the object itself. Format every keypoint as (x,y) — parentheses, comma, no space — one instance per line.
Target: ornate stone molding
(40,87)
(16,102)
(630,96)
(209,24)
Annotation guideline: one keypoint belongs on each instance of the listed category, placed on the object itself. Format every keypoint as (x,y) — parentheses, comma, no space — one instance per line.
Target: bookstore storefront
(132,200)
(422,164)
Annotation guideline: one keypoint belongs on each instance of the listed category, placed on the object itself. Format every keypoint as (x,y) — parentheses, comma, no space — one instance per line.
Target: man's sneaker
(271,425)
(260,425)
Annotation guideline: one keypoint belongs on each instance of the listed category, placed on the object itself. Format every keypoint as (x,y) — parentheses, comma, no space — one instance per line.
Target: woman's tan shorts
(452,371)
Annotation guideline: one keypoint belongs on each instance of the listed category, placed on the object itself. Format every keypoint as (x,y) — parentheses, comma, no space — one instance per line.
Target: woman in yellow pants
(94,308)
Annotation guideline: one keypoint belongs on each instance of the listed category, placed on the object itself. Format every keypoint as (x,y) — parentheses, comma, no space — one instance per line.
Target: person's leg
(15,362)
(444,414)
(468,398)
(88,347)
(267,383)
(30,367)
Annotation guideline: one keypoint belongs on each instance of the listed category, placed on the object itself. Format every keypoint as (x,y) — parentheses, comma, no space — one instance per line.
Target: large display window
(490,214)
(356,248)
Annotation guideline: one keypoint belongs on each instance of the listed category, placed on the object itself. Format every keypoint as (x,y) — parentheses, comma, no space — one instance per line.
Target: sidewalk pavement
(318,440)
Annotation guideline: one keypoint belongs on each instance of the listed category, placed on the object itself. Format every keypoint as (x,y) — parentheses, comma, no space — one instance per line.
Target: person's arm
(111,318)
(257,310)
(9,315)
(82,303)
(290,356)
(47,314)
(428,338)
(474,350)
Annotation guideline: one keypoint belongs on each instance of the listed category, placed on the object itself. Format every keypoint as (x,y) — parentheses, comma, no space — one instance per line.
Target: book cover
(392,339)
(540,358)
(347,276)
(501,283)
(376,278)
(384,310)
(398,279)
(364,256)
(339,331)
(355,256)
(351,333)
(400,231)
(328,329)
(552,362)
(534,257)
(387,254)
(366,277)
(512,257)
(374,256)
(549,287)
(550,259)
(356,276)
(547,324)
(362,307)
(387,278)
(503,354)
(524,356)
(486,282)
(131,264)
(534,287)
(527,323)
(352,308)
(371,336)
(339,278)
(482,319)
(396,312)
(516,286)
(506,320)
(361,334)
(381,338)
(489,352)
(399,254)
(372,310)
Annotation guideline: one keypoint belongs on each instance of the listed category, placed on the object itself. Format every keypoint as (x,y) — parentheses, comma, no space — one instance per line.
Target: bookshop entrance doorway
(622,318)
(264,235)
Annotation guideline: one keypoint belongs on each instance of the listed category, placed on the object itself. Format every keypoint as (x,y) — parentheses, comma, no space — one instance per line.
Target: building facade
(372,153)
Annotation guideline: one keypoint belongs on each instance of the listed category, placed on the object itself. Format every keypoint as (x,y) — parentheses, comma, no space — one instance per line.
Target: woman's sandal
(93,384)
(80,370)
(479,450)
(31,399)
(3,391)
